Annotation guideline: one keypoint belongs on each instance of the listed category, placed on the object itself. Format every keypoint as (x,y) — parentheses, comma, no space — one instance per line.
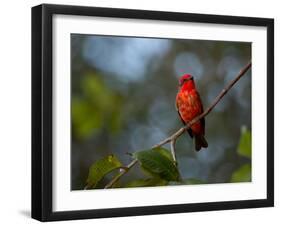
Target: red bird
(189,106)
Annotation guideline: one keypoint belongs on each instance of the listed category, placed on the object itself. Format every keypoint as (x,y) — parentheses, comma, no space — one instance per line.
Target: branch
(124,170)
(172,139)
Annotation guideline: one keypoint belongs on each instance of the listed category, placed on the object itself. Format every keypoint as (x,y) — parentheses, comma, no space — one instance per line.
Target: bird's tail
(200,141)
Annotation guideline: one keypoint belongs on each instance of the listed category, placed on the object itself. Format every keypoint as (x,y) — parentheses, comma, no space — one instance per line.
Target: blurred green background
(123,100)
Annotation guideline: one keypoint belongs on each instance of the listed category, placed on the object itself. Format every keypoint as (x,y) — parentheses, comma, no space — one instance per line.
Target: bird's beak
(191,78)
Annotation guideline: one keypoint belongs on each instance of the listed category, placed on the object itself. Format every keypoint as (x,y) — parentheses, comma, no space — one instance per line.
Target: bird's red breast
(189,105)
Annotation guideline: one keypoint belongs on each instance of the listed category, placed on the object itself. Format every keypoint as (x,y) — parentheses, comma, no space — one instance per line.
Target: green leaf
(245,143)
(158,164)
(148,182)
(100,168)
(164,152)
(242,174)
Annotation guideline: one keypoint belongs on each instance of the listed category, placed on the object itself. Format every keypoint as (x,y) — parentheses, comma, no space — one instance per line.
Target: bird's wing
(176,105)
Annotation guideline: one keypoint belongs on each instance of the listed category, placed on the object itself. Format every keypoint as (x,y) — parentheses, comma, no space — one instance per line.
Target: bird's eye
(185,80)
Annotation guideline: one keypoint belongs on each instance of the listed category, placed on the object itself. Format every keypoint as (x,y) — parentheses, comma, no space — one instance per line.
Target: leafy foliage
(100,168)
(158,163)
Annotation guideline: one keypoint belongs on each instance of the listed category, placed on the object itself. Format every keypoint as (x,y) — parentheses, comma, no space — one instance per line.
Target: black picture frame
(42,108)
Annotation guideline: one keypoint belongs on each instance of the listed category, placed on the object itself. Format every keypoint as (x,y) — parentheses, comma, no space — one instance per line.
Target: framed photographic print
(145,112)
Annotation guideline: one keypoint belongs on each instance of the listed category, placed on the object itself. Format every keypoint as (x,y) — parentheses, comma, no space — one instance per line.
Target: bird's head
(186,79)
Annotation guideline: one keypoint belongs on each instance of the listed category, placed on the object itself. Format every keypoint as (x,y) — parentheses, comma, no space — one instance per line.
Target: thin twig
(174,136)
(173,151)
(118,176)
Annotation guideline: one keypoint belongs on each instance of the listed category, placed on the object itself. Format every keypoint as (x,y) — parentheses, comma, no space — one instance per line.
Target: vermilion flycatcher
(189,106)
